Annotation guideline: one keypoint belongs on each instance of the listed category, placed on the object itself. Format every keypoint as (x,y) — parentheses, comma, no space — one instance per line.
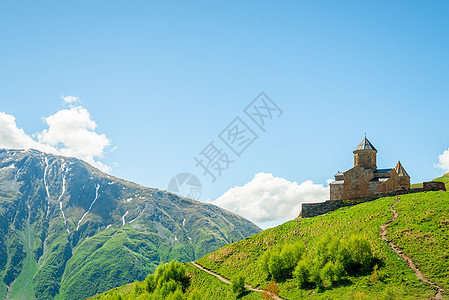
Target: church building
(365,179)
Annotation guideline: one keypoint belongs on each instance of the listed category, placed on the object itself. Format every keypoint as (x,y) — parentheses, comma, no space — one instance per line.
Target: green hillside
(421,231)
(69,231)
(200,283)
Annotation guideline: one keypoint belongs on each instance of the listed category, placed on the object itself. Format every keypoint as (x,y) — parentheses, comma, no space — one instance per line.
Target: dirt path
(408,261)
(273,296)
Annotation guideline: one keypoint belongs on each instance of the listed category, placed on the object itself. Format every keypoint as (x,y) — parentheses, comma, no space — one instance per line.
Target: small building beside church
(365,179)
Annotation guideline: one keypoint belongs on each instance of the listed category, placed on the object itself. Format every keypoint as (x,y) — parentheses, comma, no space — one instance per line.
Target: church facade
(365,179)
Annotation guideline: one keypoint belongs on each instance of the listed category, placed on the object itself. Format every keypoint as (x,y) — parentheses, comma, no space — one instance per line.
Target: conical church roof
(400,170)
(365,145)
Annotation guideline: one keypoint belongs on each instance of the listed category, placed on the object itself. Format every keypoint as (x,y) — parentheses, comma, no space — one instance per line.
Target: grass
(211,287)
(422,231)
(23,287)
(243,258)
(102,262)
(207,285)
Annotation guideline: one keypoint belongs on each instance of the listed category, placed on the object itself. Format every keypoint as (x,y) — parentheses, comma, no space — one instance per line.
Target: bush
(301,274)
(194,295)
(327,273)
(238,285)
(276,266)
(264,260)
(168,287)
(322,253)
(280,262)
(138,289)
(290,255)
(177,295)
(339,270)
(361,253)
(344,255)
(167,278)
(333,258)
(315,275)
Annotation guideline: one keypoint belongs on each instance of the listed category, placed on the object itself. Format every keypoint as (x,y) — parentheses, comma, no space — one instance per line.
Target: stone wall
(315,209)
(434,185)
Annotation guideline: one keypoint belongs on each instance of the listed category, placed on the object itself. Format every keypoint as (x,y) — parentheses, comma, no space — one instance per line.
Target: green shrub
(322,253)
(168,277)
(301,274)
(315,275)
(361,253)
(290,255)
(264,260)
(177,295)
(333,258)
(138,289)
(168,287)
(339,270)
(169,281)
(327,273)
(344,254)
(194,295)
(238,285)
(280,262)
(276,267)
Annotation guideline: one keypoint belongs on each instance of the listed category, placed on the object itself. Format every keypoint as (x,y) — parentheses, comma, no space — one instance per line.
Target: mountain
(69,231)
(416,224)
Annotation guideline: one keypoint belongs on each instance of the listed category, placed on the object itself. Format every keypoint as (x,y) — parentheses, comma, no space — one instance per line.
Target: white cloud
(443,161)
(271,199)
(15,138)
(71,132)
(70,99)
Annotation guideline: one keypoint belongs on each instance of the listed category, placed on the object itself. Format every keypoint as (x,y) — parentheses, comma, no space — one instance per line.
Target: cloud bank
(71,132)
(267,198)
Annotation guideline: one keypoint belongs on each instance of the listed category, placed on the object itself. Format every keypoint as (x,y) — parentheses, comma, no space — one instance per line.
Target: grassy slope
(209,287)
(421,230)
(243,257)
(112,253)
(24,280)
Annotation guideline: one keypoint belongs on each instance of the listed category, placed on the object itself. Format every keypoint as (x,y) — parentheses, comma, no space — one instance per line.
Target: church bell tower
(365,155)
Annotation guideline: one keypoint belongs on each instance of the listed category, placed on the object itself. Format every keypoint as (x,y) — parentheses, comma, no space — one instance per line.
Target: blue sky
(163,79)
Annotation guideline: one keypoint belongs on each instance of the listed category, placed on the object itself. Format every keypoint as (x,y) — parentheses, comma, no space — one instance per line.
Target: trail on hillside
(273,296)
(408,261)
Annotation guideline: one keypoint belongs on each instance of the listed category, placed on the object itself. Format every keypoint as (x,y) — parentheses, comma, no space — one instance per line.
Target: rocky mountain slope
(69,231)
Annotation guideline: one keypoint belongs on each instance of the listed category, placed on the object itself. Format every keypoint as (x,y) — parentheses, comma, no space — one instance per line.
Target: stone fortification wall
(315,209)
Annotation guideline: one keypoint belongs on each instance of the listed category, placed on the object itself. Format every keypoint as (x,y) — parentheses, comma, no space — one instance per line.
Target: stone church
(365,179)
